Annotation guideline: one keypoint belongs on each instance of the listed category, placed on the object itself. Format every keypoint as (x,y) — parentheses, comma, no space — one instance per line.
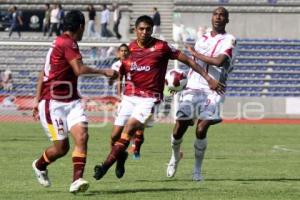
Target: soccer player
(123,53)
(214,52)
(145,71)
(58,106)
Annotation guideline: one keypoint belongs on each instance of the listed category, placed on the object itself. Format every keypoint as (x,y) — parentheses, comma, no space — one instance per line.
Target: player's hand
(190,49)
(220,88)
(35,110)
(35,113)
(111,73)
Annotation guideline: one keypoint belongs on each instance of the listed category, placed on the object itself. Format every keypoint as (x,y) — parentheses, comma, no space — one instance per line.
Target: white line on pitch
(283,148)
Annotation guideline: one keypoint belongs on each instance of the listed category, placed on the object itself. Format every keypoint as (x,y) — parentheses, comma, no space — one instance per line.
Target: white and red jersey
(145,68)
(116,65)
(212,46)
(59,81)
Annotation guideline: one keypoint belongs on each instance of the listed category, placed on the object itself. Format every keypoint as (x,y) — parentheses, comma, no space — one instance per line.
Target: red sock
(138,140)
(43,162)
(117,150)
(79,160)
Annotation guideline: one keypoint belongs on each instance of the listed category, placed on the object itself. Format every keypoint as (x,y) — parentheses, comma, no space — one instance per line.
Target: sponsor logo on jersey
(135,67)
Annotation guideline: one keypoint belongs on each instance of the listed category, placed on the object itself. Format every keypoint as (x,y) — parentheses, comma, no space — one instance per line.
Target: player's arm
(216,61)
(79,68)
(35,108)
(213,84)
(119,86)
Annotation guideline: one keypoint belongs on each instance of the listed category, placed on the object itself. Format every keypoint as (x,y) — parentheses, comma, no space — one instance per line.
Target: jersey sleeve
(227,46)
(116,65)
(71,50)
(122,68)
(173,52)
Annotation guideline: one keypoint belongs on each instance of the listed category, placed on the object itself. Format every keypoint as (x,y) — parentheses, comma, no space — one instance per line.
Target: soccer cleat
(120,166)
(42,176)
(173,164)
(80,185)
(172,167)
(100,171)
(197,177)
(136,156)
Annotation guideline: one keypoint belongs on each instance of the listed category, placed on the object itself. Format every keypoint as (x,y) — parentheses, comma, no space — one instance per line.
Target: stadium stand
(245,6)
(262,67)
(265,67)
(67,4)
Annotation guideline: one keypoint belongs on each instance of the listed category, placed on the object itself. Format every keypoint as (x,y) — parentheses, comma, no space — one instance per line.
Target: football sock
(43,162)
(117,150)
(200,147)
(138,140)
(79,160)
(175,144)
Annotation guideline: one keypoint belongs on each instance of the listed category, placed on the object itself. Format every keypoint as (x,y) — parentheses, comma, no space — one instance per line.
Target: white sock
(175,144)
(200,147)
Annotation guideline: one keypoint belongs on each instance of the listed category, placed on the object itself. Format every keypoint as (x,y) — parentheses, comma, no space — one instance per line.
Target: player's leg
(118,149)
(57,133)
(124,111)
(208,115)
(176,139)
(138,141)
(200,147)
(77,124)
(184,116)
(52,153)
(116,134)
(141,109)
(79,132)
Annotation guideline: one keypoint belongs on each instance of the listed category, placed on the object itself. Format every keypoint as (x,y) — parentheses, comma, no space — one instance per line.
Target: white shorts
(140,108)
(199,104)
(57,117)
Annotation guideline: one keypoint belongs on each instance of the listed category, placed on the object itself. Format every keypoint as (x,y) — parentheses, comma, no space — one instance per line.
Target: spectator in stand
(104,22)
(117,19)
(61,15)
(91,24)
(156,21)
(7,81)
(46,20)
(16,21)
(54,21)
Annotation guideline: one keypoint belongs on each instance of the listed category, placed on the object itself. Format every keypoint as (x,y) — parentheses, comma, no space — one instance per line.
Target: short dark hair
(73,20)
(123,45)
(226,13)
(146,19)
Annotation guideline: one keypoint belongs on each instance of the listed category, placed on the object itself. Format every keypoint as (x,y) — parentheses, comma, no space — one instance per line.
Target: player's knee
(82,138)
(201,131)
(180,128)
(123,142)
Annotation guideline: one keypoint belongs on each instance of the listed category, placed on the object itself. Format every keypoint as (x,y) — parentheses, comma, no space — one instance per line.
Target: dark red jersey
(59,81)
(145,68)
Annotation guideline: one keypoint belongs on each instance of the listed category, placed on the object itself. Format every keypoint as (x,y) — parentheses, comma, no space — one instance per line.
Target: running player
(137,141)
(58,106)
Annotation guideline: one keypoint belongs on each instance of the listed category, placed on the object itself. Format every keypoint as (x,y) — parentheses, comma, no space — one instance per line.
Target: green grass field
(242,162)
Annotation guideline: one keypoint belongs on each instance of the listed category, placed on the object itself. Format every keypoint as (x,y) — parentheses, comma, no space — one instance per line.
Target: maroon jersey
(59,81)
(145,68)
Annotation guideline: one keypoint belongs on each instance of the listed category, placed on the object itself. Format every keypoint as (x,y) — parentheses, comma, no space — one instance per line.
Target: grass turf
(242,162)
